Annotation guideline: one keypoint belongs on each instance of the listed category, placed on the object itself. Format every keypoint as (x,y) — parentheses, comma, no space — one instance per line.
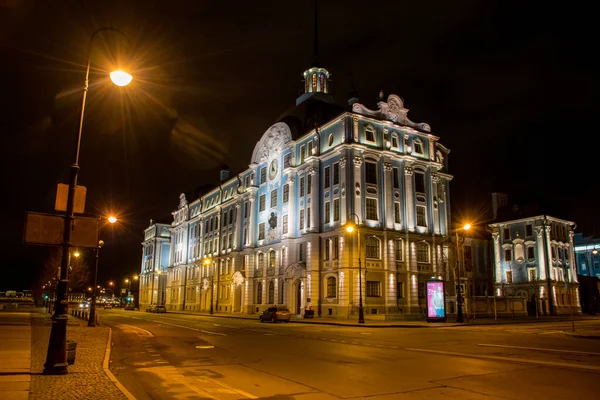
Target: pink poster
(435,300)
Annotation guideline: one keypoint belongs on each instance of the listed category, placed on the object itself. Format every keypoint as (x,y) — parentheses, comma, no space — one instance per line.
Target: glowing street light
(120,78)
(351,227)
(112,219)
(460,258)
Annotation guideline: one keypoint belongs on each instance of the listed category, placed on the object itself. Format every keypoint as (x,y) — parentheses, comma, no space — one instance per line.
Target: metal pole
(212,275)
(92,318)
(459,299)
(152,290)
(361,315)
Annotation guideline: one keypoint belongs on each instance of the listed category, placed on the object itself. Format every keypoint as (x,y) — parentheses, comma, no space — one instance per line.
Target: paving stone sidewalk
(86,378)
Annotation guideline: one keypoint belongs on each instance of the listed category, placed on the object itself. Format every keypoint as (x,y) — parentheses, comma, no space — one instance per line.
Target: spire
(316,38)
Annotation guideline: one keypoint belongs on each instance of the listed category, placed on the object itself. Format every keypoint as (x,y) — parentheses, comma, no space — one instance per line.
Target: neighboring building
(534,258)
(156,249)
(587,254)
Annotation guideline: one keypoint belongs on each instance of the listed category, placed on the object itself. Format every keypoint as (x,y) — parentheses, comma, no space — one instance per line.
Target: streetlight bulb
(112,219)
(350,228)
(126,280)
(595,251)
(76,254)
(135,277)
(110,283)
(120,78)
(467,227)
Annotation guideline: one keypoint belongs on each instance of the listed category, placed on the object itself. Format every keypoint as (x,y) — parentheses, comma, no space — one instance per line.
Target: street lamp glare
(120,78)
(595,251)
(76,254)
(112,219)
(350,228)
(466,227)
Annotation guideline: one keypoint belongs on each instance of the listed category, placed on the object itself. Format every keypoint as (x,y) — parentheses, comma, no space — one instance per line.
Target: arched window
(272,259)
(519,252)
(330,139)
(259,293)
(331,287)
(372,247)
(271,292)
(422,252)
(261,260)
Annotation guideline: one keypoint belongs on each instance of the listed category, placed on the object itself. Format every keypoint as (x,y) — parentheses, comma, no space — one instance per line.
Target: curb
(105,367)
(578,336)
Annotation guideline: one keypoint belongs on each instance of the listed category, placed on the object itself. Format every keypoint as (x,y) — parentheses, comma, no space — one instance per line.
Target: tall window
(530,253)
(287,160)
(331,287)
(271,292)
(400,289)
(336,173)
(274,198)
(422,252)
(271,258)
(246,209)
(372,247)
(261,231)
(327,176)
(371,173)
(261,260)
(285,224)
(398,246)
(259,293)
(396,178)
(509,277)
(372,209)
(373,289)
(336,248)
(301,219)
(308,217)
(327,212)
(370,135)
(263,175)
(507,255)
(302,154)
(420,182)
(262,201)
(528,230)
(397,212)
(336,210)
(532,274)
(310,149)
(505,234)
(286,193)
(421,216)
(309,184)
(418,146)
(301,186)
(326,249)
(301,255)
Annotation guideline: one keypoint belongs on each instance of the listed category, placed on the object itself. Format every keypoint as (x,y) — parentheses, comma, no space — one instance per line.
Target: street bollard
(71,349)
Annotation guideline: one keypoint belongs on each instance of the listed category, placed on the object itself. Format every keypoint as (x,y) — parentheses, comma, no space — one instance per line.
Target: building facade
(156,254)
(534,258)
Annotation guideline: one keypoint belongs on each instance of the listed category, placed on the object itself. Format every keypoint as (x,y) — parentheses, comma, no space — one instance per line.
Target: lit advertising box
(436,301)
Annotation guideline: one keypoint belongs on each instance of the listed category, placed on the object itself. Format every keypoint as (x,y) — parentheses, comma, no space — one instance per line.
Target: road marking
(539,349)
(135,318)
(365,333)
(214,333)
(134,329)
(216,325)
(205,347)
(509,359)
(179,326)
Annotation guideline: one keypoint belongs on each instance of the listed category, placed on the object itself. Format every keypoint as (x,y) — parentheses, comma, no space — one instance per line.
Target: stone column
(435,229)
(293,208)
(497,255)
(357,189)
(355,128)
(409,198)
(343,205)
(252,223)
(542,262)
(388,196)
(237,233)
(314,201)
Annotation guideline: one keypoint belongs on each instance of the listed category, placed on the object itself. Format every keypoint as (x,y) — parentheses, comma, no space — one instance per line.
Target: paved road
(184,356)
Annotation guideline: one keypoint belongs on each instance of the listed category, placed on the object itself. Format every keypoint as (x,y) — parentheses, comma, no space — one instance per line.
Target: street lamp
(460,259)
(92,318)
(207,261)
(56,357)
(351,227)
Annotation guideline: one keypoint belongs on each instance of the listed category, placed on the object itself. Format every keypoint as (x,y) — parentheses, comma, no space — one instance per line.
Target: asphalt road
(170,356)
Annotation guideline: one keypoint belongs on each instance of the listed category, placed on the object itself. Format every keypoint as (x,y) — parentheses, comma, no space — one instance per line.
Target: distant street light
(460,258)
(56,357)
(351,226)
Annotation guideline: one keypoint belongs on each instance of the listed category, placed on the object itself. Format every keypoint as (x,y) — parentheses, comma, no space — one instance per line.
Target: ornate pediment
(393,111)
(273,141)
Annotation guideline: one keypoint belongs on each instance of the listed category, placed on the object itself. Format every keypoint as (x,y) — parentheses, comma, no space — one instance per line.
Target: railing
(83,314)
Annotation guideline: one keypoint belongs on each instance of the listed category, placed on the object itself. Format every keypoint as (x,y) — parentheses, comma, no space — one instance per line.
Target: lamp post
(92,318)
(351,227)
(207,261)
(460,258)
(56,357)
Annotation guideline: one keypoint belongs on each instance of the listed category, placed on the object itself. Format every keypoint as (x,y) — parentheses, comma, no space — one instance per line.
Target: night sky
(511,91)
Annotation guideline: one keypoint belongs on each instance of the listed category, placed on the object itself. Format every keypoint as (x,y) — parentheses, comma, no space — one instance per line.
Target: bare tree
(78,270)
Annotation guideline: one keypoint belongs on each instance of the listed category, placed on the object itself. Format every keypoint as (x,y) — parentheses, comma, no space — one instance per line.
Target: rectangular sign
(48,229)
(436,303)
(62,192)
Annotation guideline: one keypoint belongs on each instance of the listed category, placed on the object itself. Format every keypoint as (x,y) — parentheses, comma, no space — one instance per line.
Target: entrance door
(237,299)
(299,298)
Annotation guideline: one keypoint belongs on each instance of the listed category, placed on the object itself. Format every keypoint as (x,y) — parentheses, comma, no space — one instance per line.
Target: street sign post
(48,230)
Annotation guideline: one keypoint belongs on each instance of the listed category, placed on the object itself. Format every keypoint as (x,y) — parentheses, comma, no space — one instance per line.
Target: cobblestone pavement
(86,378)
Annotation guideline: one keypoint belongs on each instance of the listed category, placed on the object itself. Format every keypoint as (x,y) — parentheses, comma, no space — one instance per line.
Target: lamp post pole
(92,318)
(350,227)
(208,261)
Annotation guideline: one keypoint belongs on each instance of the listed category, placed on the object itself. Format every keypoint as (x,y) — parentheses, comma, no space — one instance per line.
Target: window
(285,224)
(400,289)
(331,287)
(261,260)
(301,225)
(336,174)
(372,209)
(397,212)
(509,277)
(372,247)
(373,289)
(327,182)
(272,259)
(302,154)
(245,235)
(247,181)
(532,273)
(287,160)
(308,217)
(370,135)
(271,292)
(421,216)
(261,202)
(274,198)
(330,140)
(326,249)
(246,209)
(224,218)
(420,182)
(507,255)
(396,178)
(301,254)
(230,241)
(395,141)
(336,248)
(310,149)
(261,231)
(263,175)
(418,146)
(398,247)
(327,212)
(528,230)
(301,186)
(422,252)
(259,291)
(336,210)
(371,173)
(286,193)
(505,234)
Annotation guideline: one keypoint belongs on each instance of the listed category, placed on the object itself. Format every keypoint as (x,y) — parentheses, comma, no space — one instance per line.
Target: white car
(84,306)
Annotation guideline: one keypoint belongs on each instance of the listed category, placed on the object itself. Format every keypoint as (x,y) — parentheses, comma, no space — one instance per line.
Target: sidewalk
(23,345)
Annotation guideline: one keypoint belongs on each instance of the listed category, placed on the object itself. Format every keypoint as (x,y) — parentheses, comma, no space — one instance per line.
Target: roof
(314,111)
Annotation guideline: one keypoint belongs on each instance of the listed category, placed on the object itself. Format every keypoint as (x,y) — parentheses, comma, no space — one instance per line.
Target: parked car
(107,306)
(275,313)
(84,306)
(129,306)
(150,308)
(160,309)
